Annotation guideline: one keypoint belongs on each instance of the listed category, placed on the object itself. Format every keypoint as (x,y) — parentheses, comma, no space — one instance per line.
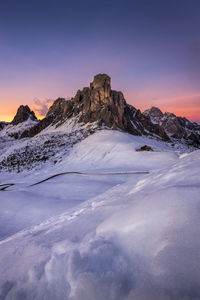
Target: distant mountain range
(93,108)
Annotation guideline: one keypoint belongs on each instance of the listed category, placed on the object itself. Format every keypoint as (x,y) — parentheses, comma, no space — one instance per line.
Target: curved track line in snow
(87,173)
(4,187)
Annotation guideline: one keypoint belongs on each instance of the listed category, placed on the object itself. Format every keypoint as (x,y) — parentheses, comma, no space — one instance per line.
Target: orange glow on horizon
(6,118)
(9,117)
(188,107)
(185,106)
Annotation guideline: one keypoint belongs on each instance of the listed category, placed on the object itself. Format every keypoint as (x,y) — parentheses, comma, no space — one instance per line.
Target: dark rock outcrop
(23,114)
(144,148)
(3,125)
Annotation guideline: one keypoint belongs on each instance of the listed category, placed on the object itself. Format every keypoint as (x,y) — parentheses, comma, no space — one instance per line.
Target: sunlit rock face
(99,103)
(100,87)
(23,114)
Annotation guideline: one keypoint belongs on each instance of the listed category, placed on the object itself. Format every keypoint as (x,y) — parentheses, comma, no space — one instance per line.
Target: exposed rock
(3,125)
(23,114)
(101,104)
(154,112)
(189,125)
(172,126)
(144,148)
(101,87)
(175,127)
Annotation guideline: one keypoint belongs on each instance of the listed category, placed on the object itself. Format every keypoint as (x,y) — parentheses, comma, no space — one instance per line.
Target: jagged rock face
(189,125)
(97,103)
(101,88)
(154,112)
(23,114)
(60,108)
(175,127)
(172,126)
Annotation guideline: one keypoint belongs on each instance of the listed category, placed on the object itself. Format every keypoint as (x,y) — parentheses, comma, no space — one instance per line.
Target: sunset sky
(150,48)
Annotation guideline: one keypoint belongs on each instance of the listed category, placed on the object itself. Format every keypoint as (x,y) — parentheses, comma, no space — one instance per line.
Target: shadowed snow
(127,238)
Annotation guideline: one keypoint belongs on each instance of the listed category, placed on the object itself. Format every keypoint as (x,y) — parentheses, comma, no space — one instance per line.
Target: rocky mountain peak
(23,114)
(100,80)
(101,84)
(154,112)
(175,127)
(58,107)
(100,105)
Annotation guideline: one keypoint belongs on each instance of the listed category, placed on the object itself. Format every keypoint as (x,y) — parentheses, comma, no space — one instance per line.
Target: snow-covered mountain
(27,142)
(100,104)
(176,128)
(86,214)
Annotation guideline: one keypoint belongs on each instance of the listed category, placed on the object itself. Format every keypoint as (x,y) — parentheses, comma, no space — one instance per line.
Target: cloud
(42,106)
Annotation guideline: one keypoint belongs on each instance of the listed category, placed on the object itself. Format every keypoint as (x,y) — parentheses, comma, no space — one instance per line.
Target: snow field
(114,237)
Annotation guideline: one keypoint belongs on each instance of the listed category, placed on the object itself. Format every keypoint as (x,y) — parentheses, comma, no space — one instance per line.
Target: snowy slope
(10,129)
(104,152)
(108,149)
(8,141)
(114,236)
(138,240)
(51,145)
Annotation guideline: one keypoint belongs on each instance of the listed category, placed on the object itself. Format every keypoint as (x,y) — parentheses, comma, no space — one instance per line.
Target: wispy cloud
(41,106)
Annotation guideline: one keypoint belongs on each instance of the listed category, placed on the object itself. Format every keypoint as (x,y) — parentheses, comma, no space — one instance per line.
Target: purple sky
(150,48)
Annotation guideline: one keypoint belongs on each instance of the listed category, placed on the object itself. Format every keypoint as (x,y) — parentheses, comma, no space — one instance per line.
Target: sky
(150,48)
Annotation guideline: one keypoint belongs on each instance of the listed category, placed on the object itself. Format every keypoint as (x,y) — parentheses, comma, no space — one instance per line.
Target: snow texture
(114,236)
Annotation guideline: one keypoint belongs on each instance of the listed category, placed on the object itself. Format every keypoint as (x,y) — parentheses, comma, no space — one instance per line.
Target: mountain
(175,127)
(107,108)
(23,114)
(85,215)
(23,120)
(101,105)
(30,142)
